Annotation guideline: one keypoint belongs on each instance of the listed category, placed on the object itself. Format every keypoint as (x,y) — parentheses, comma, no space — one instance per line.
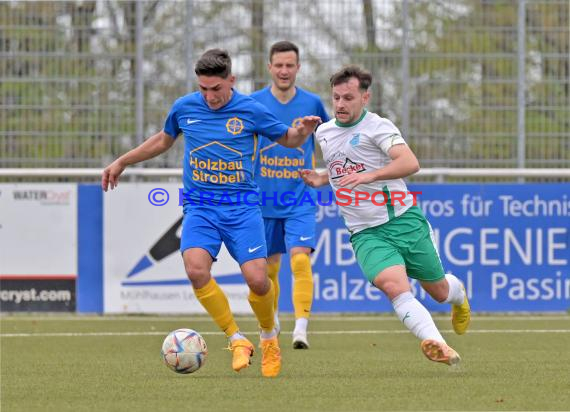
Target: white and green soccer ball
(184,351)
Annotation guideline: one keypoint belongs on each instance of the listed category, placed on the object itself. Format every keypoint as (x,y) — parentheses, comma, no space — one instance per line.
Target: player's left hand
(311,177)
(354,179)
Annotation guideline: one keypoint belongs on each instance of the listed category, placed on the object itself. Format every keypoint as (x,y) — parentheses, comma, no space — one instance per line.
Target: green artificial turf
(61,363)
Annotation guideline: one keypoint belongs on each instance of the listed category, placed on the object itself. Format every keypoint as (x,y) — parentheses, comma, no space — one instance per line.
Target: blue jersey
(277,168)
(220,147)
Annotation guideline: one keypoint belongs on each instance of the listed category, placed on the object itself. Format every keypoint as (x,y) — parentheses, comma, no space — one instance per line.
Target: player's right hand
(308,124)
(111,175)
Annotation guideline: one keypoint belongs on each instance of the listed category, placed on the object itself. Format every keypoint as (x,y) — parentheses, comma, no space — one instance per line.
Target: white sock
(456,294)
(268,335)
(301,325)
(415,317)
(236,336)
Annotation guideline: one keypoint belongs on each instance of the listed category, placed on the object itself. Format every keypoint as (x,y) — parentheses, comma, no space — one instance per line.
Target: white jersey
(363,147)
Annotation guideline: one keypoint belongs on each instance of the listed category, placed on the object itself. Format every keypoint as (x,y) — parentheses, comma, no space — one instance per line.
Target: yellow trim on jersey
(275,144)
(268,147)
(254,148)
(218,143)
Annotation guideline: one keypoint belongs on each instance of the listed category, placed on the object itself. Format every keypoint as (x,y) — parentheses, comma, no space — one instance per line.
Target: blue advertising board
(509,243)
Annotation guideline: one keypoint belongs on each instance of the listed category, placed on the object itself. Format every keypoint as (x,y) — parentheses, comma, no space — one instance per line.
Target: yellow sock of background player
(273,273)
(302,297)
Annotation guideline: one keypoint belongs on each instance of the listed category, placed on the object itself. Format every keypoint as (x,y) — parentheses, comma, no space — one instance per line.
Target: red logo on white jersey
(343,167)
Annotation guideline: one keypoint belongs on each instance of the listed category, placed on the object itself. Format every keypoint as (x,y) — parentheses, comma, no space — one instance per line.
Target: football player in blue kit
(220,128)
(289,205)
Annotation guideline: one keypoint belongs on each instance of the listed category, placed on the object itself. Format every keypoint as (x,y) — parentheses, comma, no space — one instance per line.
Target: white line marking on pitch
(318,332)
(314,318)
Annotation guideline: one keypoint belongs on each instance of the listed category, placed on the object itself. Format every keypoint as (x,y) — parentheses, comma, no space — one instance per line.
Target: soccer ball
(184,351)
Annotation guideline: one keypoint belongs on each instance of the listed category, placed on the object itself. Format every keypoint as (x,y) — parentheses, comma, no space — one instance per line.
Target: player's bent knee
(199,276)
(393,281)
(392,289)
(274,259)
(258,285)
(438,297)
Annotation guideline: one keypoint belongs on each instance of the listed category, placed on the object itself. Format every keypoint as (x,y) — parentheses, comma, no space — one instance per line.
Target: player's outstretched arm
(296,136)
(151,147)
(313,178)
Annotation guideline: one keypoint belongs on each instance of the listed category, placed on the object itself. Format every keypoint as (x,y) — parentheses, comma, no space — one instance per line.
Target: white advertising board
(38,247)
(143,268)
(38,230)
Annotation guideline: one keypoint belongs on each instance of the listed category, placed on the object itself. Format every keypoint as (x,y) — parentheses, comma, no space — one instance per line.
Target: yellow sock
(302,285)
(214,300)
(273,273)
(263,308)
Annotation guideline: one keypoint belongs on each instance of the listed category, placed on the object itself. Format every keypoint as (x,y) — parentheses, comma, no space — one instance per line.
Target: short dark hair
(282,47)
(214,62)
(348,72)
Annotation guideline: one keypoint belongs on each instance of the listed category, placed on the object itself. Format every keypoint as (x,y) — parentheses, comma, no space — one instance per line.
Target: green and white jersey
(362,147)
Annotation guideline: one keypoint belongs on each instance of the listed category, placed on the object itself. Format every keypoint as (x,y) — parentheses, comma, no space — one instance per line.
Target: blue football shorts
(239,227)
(282,234)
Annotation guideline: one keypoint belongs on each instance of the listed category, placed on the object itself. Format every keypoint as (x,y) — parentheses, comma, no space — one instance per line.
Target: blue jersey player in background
(289,205)
(220,128)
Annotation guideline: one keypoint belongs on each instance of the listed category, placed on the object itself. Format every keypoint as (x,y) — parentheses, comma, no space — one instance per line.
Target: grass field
(356,363)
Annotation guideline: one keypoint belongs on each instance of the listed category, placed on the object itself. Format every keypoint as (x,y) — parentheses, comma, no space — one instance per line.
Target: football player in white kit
(367,158)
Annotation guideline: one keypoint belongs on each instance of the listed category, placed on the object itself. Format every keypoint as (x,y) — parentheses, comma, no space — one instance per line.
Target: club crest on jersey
(234,125)
(355,139)
(296,122)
